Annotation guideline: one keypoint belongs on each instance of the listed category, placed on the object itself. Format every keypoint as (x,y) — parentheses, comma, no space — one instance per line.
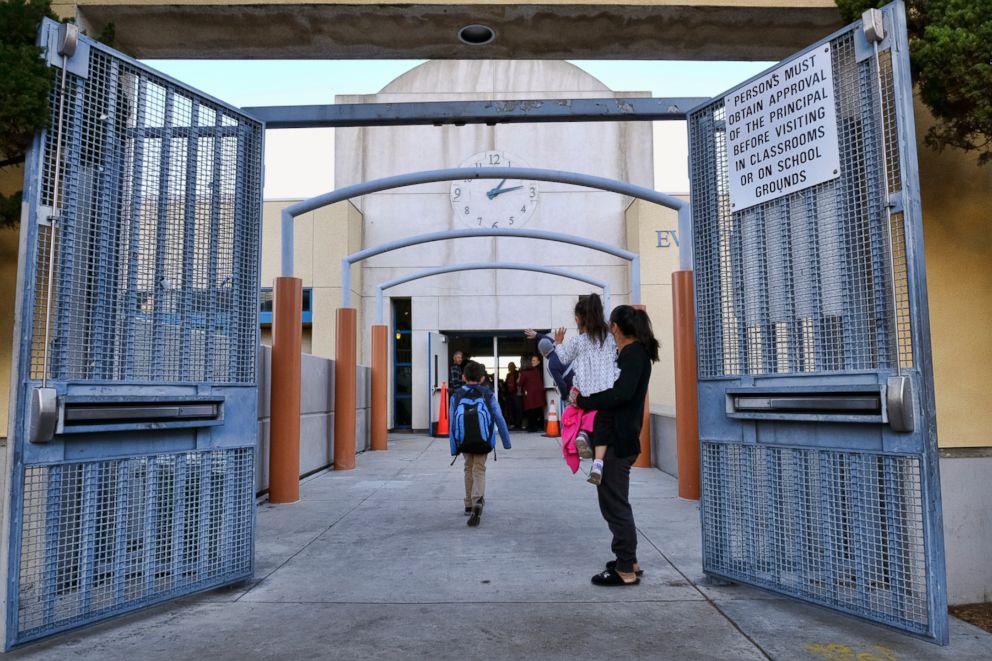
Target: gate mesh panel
(156,259)
(813,294)
(103,537)
(841,529)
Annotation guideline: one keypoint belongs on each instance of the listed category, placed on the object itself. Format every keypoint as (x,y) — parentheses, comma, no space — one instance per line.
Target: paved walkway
(377,563)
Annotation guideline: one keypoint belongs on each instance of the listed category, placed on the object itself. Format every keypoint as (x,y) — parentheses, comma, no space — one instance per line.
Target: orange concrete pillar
(284,435)
(644,458)
(380,378)
(686,391)
(345,389)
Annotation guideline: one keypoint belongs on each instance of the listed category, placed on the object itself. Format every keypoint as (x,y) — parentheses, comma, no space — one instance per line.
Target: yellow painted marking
(841,652)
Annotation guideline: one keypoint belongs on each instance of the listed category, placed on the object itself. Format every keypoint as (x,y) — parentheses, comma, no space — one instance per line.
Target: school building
(483,312)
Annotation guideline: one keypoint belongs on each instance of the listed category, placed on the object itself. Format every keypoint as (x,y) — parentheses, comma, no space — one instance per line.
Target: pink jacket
(572,420)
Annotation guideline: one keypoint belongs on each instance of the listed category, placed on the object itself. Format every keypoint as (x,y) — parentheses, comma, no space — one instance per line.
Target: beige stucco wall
(322,238)
(10,180)
(659,258)
(8,278)
(957,220)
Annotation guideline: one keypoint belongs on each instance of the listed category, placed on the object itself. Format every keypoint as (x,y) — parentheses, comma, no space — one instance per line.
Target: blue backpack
(472,422)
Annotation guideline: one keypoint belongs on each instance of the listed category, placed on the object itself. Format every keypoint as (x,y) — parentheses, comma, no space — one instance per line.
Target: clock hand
(493,192)
(504,190)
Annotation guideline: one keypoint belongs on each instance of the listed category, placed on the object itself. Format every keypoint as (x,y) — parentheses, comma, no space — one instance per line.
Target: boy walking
(475,420)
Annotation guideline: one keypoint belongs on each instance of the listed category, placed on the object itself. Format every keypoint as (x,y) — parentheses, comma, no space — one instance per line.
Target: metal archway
(480,266)
(632,257)
(451,174)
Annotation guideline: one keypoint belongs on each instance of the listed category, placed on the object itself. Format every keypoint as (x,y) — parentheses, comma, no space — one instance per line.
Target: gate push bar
(51,415)
(891,403)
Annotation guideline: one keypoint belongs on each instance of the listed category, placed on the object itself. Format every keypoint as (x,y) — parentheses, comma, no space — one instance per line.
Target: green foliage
(25,82)
(951,52)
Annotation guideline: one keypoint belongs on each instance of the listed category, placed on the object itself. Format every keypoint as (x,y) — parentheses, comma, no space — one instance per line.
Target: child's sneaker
(583,446)
(476,514)
(596,472)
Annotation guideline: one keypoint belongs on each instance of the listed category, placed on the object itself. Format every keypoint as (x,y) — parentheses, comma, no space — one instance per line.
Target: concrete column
(284,437)
(345,386)
(380,377)
(686,390)
(644,458)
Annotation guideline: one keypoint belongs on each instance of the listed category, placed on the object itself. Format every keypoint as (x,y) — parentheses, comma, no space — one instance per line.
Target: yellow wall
(644,221)
(322,238)
(957,221)
(8,278)
(11,179)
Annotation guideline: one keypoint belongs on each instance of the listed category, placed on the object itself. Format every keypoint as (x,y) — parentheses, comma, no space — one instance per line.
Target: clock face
(499,203)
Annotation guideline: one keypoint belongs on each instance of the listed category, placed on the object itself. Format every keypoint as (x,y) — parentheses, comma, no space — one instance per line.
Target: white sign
(782,131)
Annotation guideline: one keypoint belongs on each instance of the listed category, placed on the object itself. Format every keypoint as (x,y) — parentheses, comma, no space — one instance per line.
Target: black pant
(534,419)
(516,410)
(614,505)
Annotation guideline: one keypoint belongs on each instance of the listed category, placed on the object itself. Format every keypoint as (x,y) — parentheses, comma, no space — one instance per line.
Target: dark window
(265,306)
(402,364)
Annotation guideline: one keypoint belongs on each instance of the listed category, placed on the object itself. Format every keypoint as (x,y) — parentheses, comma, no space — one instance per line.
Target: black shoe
(611,578)
(612,566)
(476,515)
(468,510)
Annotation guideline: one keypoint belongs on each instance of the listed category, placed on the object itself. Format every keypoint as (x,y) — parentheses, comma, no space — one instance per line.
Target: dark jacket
(562,374)
(455,380)
(531,384)
(625,400)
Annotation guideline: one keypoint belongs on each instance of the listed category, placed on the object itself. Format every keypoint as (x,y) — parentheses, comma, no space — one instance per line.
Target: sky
(295,170)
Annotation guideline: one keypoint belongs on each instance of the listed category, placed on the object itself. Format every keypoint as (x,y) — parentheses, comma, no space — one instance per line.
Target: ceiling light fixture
(476,35)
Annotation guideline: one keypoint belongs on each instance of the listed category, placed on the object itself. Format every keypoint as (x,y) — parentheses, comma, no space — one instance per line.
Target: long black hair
(589,310)
(636,324)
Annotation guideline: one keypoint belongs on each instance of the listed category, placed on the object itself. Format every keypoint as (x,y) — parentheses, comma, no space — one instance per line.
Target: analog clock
(501,203)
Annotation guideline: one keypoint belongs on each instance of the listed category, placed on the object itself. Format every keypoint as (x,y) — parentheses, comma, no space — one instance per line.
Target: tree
(25,83)
(950,48)
(25,87)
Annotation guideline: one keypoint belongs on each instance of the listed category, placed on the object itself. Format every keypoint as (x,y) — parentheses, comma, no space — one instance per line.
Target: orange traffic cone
(552,429)
(442,411)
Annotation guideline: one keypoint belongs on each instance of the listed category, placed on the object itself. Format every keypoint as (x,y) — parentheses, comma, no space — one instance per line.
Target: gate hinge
(64,41)
(899,403)
(873,22)
(44,415)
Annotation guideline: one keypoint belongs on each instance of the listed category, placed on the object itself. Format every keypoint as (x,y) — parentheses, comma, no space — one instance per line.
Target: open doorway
(496,350)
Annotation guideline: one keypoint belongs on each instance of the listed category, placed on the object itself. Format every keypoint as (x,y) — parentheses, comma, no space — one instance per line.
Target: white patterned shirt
(595,364)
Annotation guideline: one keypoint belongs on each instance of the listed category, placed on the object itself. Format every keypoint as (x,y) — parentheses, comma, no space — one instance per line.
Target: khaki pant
(475,478)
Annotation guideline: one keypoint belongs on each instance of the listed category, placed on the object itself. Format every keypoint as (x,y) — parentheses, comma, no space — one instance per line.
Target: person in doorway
(631,329)
(592,357)
(476,419)
(531,383)
(513,398)
(455,380)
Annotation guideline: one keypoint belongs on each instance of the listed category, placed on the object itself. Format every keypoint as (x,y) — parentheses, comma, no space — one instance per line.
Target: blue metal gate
(817,423)
(131,472)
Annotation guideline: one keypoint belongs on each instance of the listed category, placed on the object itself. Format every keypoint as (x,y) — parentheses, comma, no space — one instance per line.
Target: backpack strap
(488,398)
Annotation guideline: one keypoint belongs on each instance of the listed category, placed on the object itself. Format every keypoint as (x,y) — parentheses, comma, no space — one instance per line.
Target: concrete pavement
(377,563)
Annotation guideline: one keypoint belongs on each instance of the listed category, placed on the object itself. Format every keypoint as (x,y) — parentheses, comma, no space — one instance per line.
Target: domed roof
(545,77)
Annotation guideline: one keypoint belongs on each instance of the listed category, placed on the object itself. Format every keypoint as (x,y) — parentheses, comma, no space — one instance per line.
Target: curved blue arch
(479,266)
(452,174)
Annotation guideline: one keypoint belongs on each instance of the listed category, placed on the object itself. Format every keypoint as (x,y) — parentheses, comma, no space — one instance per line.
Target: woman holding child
(620,431)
